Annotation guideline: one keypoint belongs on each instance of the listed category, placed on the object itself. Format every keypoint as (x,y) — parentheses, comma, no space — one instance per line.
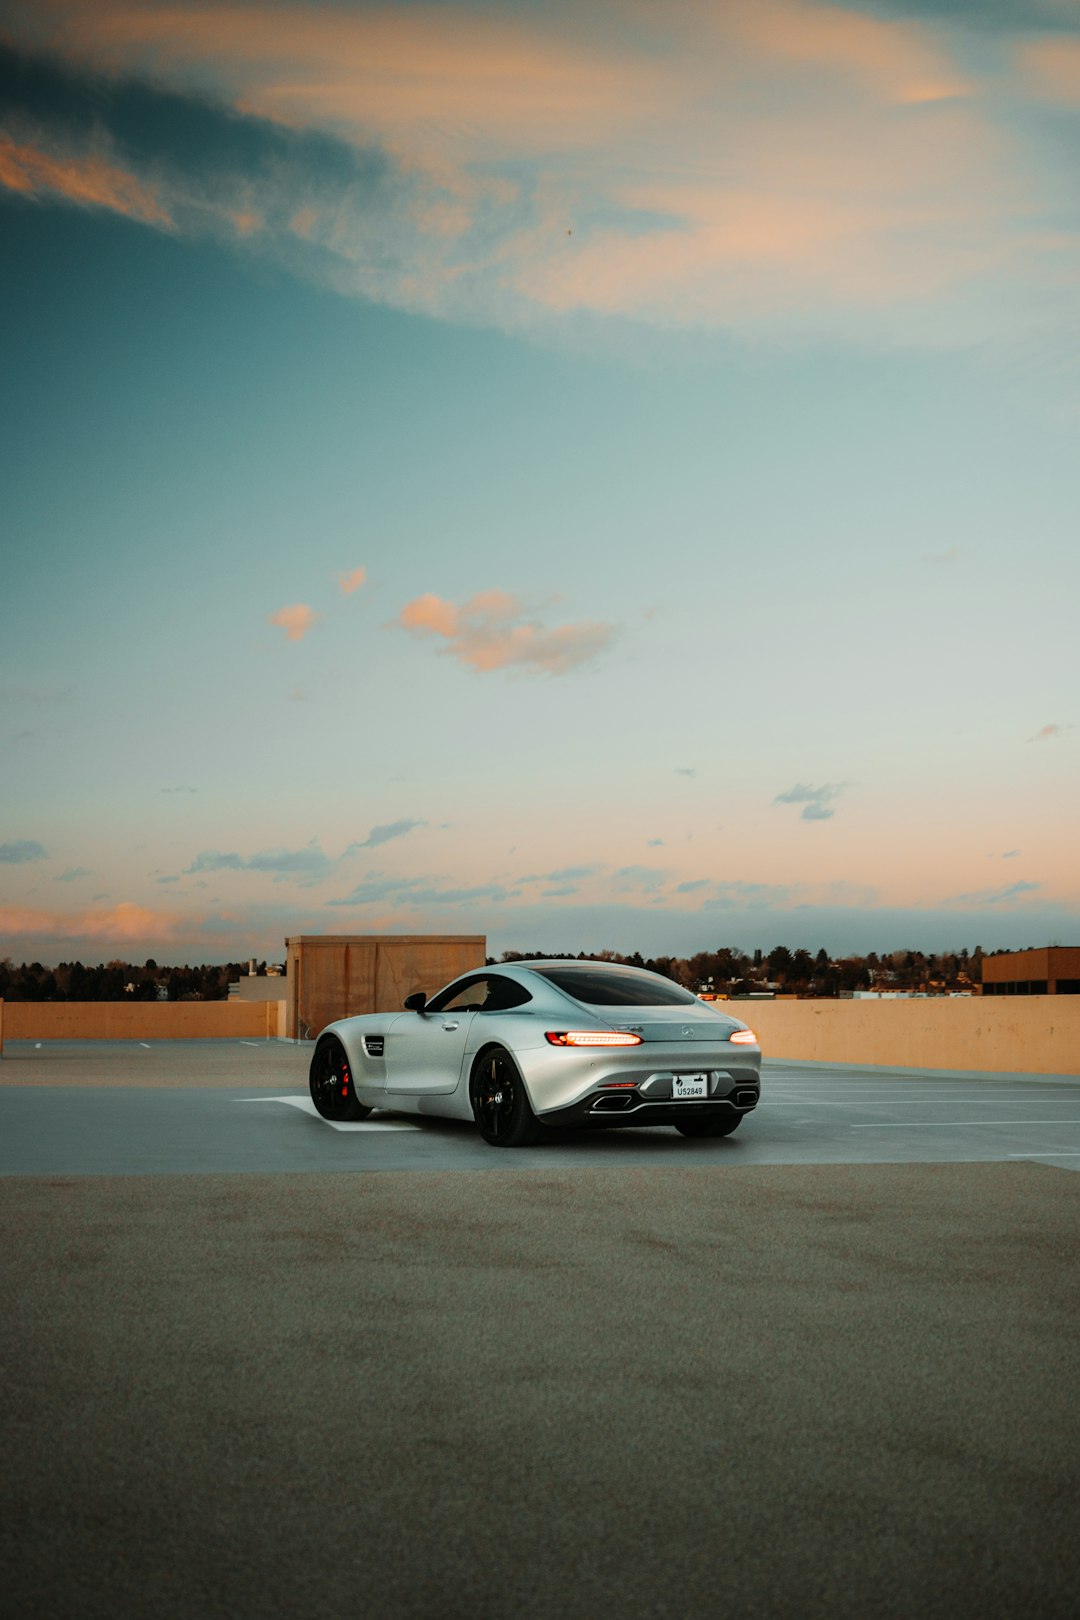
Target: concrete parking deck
(623,1375)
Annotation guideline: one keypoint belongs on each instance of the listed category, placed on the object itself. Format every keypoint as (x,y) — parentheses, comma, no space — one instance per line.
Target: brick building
(1052,971)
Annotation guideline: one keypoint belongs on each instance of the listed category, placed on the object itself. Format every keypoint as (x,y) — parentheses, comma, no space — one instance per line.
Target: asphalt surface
(192,1107)
(619,1375)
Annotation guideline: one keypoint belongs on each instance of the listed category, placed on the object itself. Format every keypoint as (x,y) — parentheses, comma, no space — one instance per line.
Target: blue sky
(596,479)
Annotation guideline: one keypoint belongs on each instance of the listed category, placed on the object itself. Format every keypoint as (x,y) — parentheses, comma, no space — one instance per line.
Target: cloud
(89,181)
(1051,67)
(684,770)
(348,583)
(482,634)
(72,874)
(378,890)
(761,163)
(296,620)
(565,874)
(1045,733)
(691,885)
(639,877)
(120,922)
(943,558)
(995,897)
(752,895)
(20,851)
(383,833)
(815,800)
(181,789)
(305,865)
(655,843)
(1010,854)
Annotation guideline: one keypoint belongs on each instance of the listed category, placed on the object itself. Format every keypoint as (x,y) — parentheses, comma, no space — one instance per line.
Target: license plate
(690,1085)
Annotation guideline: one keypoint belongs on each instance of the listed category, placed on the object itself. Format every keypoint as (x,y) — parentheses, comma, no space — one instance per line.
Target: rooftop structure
(338,975)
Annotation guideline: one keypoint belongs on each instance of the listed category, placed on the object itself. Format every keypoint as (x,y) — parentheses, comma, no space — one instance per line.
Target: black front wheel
(331,1083)
(500,1103)
(710,1125)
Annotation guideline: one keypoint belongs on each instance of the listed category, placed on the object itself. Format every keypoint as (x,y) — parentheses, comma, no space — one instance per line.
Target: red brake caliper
(344,1082)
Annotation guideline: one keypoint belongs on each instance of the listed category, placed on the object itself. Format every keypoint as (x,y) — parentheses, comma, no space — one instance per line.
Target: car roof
(538,964)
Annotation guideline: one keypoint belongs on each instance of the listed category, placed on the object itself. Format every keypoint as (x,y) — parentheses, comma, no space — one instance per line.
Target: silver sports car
(522,1047)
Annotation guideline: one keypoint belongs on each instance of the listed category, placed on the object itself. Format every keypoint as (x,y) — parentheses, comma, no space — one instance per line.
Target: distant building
(1052,971)
(253,986)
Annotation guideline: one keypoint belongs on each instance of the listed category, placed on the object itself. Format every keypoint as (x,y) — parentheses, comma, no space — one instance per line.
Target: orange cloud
(482,635)
(1051,67)
(89,181)
(436,85)
(246,221)
(894,59)
(347,583)
(432,613)
(120,922)
(826,214)
(718,165)
(296,620)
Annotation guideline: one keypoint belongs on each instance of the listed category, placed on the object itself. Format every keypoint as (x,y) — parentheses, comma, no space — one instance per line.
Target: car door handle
(450,1026)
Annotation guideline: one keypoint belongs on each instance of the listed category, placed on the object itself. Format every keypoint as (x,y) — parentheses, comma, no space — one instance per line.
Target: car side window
(487,993)
(468,997)
(503,994)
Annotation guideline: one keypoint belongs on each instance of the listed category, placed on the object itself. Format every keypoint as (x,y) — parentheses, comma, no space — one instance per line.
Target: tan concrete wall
(1021,1034)
(339,975)
(141,1020)
(1017,1034)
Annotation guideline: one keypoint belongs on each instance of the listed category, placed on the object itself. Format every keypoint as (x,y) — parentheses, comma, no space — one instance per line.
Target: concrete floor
(624,1375)
(194,1107)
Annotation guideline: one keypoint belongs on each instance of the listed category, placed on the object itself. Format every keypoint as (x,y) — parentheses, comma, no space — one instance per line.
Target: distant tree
(801,969)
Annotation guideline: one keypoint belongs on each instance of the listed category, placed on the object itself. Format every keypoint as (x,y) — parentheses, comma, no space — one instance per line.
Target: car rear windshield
(608,987)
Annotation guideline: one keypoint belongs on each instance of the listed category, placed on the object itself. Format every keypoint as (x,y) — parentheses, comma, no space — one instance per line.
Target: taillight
(592,1037)
(742,1037)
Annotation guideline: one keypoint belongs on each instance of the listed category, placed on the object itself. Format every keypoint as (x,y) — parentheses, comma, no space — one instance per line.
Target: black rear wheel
(710,1125)
(331,1084)
(500,1103)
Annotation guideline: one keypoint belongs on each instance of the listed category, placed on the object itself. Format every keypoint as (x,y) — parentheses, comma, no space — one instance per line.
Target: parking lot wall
(1018,1034)
(140,1020)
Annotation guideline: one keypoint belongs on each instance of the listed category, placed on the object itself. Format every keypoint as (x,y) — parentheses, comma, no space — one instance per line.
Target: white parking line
(306,1106)
(940,1124)
(146,1044)
(854,1102)
(249,1043)
(1059,1155)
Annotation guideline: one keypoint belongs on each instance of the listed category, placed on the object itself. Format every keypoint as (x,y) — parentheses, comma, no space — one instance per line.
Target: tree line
(726,971)
(729,971)
(117,981)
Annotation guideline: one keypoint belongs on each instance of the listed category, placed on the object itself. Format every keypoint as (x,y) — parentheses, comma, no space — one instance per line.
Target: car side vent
(373,1045)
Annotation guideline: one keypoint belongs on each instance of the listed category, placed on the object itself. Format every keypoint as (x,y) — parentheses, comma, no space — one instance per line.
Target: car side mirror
(416,1002)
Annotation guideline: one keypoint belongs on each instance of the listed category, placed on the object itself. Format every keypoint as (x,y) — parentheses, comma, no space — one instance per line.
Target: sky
(600,475)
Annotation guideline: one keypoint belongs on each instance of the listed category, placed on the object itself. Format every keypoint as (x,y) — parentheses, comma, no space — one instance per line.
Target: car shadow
(625,1142)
